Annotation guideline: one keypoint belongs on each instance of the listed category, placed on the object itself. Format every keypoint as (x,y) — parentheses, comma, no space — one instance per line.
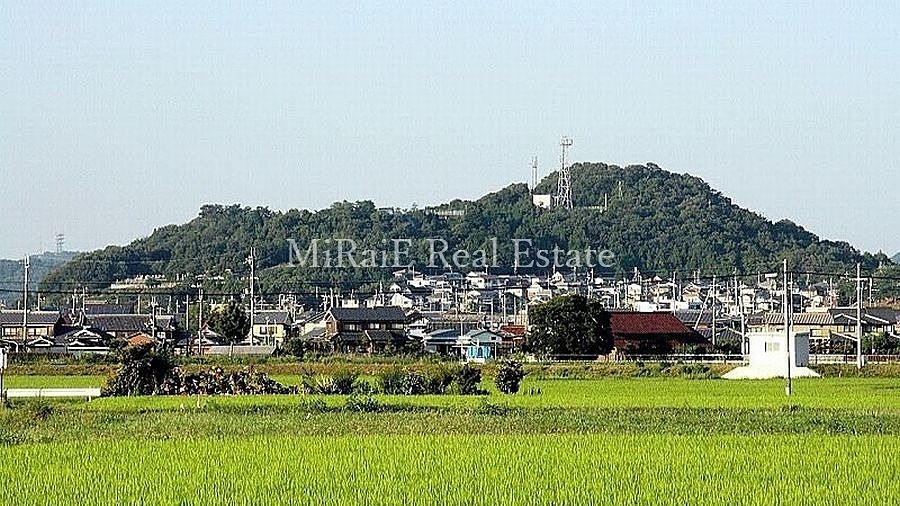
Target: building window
(773,346)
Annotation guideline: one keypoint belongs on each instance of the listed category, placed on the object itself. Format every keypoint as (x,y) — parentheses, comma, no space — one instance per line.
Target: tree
(231,322)
(509,376)
(881,344)
(570,325)
(145,370)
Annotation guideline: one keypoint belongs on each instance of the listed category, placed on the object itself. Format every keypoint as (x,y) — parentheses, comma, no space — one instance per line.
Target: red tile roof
(648,324)
(513,330)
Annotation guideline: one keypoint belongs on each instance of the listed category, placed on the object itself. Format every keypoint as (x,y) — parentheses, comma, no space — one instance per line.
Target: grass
(454,469)
(54,381)
(561,441)
(882,394)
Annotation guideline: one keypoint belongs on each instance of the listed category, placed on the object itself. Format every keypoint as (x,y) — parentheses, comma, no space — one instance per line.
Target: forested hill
(11,274)
(655,220)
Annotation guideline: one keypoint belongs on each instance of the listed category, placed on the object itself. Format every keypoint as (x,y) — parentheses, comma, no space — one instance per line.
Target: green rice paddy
(559,441)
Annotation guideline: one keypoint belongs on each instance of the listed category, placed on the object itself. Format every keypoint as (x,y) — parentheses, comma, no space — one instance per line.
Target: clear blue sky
(120,117)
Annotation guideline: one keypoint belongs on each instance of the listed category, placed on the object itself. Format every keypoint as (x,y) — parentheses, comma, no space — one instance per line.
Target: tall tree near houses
(570,325)
(231,322)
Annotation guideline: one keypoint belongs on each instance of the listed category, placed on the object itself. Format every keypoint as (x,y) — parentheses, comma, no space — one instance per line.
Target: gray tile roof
(272,318)
(13,318)
(129,322)
(365,314)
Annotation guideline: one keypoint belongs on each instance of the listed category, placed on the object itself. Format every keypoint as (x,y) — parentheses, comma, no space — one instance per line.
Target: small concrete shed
(768,357)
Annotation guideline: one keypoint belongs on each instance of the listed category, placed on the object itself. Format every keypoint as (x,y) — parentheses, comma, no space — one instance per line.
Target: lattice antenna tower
(564,183)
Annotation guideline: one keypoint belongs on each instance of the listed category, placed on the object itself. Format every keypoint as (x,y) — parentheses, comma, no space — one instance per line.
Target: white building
(768,357)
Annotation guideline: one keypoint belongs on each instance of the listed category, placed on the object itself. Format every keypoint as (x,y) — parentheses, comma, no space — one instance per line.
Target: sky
(120,117)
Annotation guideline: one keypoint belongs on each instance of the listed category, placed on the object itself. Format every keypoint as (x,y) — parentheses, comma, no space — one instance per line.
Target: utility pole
(859,323)
(25,305)
(252,260)
(153,305)
(788,389)
(200,320)
(715,334)
(187,324)
(3,365)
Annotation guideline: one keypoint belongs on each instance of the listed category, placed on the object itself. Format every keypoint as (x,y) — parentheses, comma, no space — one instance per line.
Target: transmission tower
(534,173)
(564,183)
(60,242)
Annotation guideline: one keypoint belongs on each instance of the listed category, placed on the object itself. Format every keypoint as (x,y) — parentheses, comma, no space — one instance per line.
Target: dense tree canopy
(571,325)
(231,322)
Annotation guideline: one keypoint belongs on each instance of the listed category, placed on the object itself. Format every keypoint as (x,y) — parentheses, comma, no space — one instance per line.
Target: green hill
(656,221)
(11,275)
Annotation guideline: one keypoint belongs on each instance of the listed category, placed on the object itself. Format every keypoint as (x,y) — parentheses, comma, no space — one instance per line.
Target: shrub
(509,377)
(145,370)
(392,381)
(468,379)
(362,404)
(342,382)
(439,379)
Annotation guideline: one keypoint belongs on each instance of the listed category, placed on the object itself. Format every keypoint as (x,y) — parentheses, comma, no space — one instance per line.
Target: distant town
(475,316)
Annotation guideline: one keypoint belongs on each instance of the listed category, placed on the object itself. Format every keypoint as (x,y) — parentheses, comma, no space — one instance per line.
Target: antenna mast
(534,173)
(564,183)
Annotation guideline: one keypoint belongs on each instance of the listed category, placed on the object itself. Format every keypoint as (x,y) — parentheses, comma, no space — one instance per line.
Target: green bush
(362,404)
(392,381)
(338,384)
(468,381)
(509,377)
(145,370)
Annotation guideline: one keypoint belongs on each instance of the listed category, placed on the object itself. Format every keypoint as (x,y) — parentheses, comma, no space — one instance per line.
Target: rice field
(882,394)
(458,470)
(559,441)
(39,381)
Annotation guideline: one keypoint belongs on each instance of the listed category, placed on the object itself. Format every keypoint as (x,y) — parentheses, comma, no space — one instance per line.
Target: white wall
(769,350)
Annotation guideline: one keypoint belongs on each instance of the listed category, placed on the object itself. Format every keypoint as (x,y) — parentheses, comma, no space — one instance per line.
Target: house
(480,345)
(81,341)
(513,337)
(271,327)
(651,333)
(124,326)
(823,331)
(104,308)
(367,330)
(208,338)
(874,320)
(41,326)
(442,342)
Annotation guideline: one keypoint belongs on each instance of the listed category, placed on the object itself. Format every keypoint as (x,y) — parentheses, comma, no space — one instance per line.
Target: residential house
(442,342)
(651,333)
(271,327)
(480,345)
(367,330)
(40,325)
(124,326)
